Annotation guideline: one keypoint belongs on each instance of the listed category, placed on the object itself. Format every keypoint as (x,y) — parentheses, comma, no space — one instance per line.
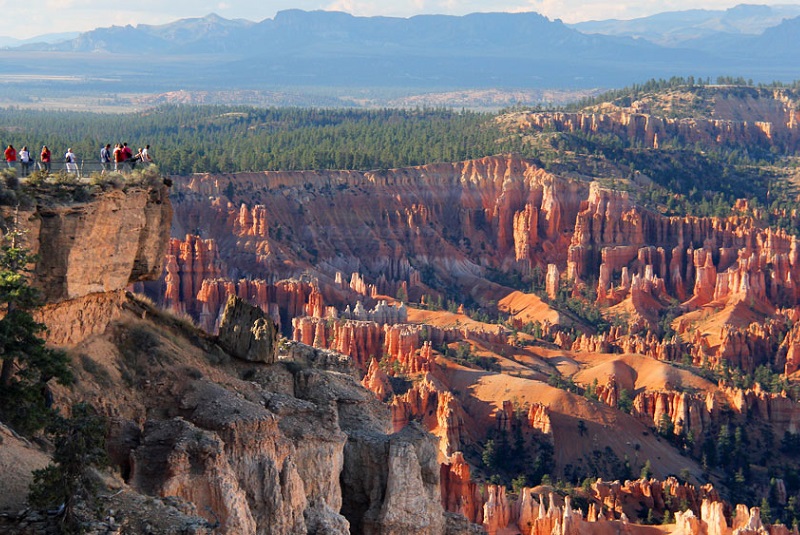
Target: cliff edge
(90,250)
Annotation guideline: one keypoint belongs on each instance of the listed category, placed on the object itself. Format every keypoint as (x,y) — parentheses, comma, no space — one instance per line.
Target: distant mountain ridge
(191,35)
(323,50)
(9,42)
(676,28)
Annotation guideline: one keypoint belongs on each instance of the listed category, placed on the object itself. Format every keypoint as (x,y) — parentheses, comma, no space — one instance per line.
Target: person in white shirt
(72,161)
(26,161)
(146,159)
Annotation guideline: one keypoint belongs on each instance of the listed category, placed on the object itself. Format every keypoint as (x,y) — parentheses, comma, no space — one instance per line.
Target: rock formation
(101,245)
(459,493)
(437,409)
(637,126)
(90,252)
(324,253)
(456,220)
(297,448)
(247,333)
(696,412)
(506,208)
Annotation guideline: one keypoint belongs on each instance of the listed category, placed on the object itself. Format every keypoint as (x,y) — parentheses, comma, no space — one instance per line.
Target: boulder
(247,333)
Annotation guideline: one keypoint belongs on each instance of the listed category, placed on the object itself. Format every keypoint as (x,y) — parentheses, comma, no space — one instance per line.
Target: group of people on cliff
(121,156)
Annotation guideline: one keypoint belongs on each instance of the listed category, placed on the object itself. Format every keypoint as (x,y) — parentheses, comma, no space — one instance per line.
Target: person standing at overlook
(119,157)
(127,155)
(44,158)
(11,156)
(72,165)
(25,160)
(105,157)
(146,158)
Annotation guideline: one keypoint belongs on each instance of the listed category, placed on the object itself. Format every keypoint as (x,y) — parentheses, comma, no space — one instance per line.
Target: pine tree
(647,470)
(79,445)
(27,365)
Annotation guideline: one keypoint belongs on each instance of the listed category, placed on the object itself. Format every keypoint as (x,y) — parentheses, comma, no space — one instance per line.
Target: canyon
(349,262)
(488,346)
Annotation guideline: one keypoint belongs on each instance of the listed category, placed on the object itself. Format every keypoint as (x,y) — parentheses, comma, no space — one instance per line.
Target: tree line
(189,139)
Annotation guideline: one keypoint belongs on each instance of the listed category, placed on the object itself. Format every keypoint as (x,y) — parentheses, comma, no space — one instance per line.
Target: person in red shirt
(128,155)
(11,156)
(44,158)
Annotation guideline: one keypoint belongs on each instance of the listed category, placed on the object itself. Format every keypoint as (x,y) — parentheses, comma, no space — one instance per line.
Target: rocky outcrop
(392,484)
(712,522)
(72,321)
(496,509)
(189,263)
(627,498)
(101,245)
(230,459)
(459,493)
(411,504)
(360,340)
(306,452)
(612,235)
(452,222)
(695,413)
(90,252)
(247,333)
(790,350)
(437,409)
(400,343)
(638,127)
(283,300)
(377,382)
(552,280)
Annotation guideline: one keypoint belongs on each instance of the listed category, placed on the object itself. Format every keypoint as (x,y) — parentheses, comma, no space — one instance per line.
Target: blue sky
(36,17)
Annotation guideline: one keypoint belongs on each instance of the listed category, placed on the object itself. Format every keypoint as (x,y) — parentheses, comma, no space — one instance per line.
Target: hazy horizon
(42,17)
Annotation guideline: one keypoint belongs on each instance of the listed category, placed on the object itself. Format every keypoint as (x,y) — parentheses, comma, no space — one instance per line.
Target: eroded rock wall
(90,252)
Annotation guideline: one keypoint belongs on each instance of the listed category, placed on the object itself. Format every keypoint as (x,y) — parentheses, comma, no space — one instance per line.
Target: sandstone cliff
(90,251)
(757,118)
(387,227)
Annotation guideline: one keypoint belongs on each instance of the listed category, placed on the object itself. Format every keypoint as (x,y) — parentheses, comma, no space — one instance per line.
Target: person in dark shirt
(105,157)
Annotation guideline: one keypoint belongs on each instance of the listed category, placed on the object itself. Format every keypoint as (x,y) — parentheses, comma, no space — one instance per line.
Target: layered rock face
(406,346)
(643,261)
(301,449)
(776,125)
(90,252)
(700,411)
(610,507)
(358,236)
(699,259)
(366,228)
(102,245)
